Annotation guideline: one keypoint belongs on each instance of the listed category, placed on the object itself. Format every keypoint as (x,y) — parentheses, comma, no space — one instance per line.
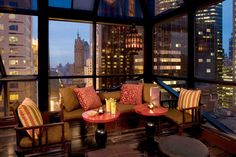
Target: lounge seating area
(118,78)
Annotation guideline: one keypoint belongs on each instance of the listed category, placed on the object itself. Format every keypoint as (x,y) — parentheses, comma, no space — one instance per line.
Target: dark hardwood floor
(126,137)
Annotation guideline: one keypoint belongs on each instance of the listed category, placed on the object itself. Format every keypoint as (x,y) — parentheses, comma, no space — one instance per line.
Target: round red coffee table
(152,116)
(100,119)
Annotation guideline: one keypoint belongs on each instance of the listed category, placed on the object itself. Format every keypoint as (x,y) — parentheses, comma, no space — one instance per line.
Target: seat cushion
(73,115)
(30,115)
(177,116)
(131,94)
(88,98)
(69,98)
(54,136)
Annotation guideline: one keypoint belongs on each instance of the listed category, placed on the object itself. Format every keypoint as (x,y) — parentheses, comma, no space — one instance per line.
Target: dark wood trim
(218,139)
(94,54)
(43,98)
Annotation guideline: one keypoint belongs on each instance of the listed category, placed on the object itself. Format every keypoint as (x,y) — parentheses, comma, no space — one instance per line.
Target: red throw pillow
(131,94)
(88,98)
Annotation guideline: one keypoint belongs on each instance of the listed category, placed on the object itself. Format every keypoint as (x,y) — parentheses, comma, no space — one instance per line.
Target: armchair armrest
(193,111)
(42,129)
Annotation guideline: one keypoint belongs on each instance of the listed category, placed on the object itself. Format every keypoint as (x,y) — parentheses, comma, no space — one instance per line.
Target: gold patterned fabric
(188,99)
(30,115)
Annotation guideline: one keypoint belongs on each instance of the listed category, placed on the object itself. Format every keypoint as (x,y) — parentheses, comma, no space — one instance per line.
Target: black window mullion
(43,55)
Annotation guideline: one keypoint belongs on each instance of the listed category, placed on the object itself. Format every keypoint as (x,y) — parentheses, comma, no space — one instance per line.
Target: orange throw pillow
(131,94)
(30,115)
(88,98)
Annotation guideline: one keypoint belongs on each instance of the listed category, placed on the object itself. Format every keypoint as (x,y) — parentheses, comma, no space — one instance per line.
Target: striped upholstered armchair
(185,111)
(33,135)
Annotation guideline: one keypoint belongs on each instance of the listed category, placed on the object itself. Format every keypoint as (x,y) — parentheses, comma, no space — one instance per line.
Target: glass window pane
(170,53)
(19,43)
(70,48)
(109,83)
(217,96)
(112,54)
(21,4)
(83,4)
(17,91)
(56,84)
(120,8)
(164,5)
(209,54)
(60,3)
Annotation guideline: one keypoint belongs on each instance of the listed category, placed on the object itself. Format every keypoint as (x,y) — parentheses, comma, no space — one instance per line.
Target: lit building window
(177,45)
(212,54)
(13,50)
(1,38)
(13,39)
(208,60)
(14,97)
(12,16)
(13,62)
(208,30)
(1,27)
(24,61)
(208,70)
(200,60)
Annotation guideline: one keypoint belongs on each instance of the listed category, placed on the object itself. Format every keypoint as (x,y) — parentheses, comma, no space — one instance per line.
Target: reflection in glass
(21,4)
(120,8)
(170,47)
(164,5)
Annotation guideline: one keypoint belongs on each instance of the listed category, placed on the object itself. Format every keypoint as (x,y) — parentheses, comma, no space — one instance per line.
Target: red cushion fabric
(131,94)
(30,115)
(88,98)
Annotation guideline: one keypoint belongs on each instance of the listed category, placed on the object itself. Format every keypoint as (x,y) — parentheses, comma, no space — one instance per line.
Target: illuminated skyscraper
(111,55)
(209,52)
(18,55)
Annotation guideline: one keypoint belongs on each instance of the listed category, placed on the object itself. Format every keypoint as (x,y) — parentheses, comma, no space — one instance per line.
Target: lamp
(133,41)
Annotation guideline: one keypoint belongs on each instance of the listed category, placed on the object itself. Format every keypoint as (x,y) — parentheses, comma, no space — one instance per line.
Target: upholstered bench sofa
(71,109)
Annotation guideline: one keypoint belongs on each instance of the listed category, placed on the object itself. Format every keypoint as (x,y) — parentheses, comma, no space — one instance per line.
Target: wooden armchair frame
(41,144)
(193,120)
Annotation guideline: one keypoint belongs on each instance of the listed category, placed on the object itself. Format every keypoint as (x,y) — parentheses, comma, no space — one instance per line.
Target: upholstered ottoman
(181,146)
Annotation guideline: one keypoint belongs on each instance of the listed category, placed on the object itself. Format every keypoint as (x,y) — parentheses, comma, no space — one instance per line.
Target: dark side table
(150,145)
(100,119)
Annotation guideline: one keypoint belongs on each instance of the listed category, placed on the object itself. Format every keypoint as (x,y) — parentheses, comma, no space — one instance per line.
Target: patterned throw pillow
(88,98)
(131,94)
(30,115)
(188,98)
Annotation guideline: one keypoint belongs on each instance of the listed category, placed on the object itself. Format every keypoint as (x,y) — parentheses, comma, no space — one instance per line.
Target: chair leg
(180,130)
(19,154)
